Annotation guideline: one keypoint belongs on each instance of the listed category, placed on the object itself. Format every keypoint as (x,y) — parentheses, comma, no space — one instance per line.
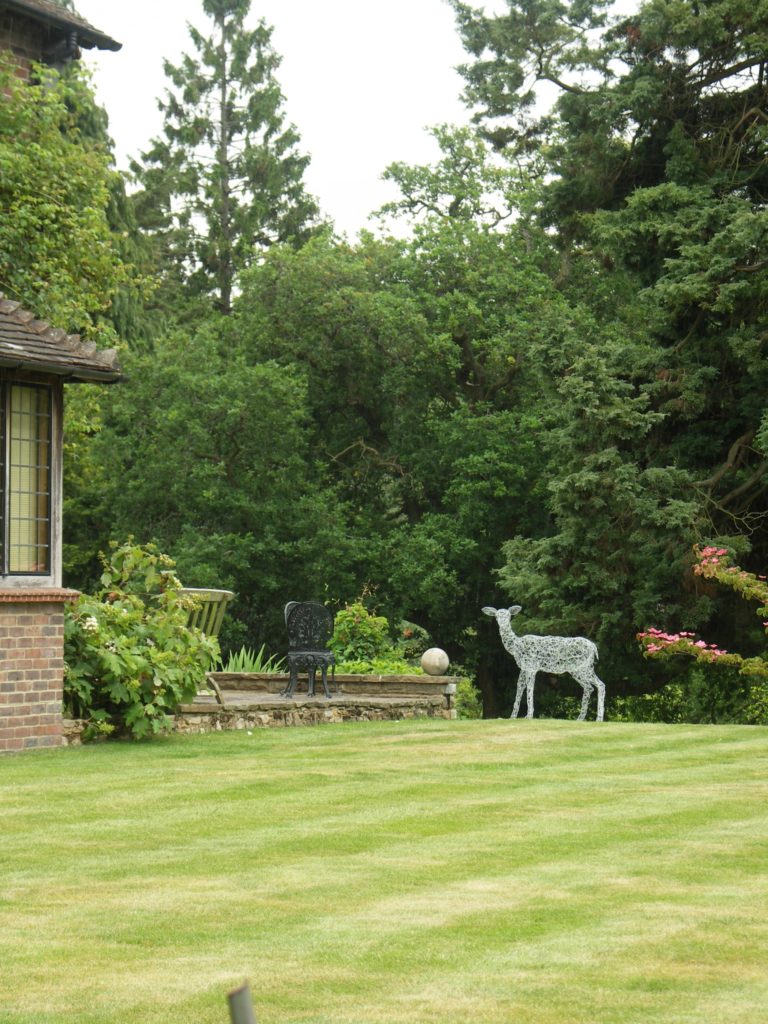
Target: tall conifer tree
(226,178)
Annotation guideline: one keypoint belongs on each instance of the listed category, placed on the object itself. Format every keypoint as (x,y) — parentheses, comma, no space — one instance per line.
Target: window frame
(51,576)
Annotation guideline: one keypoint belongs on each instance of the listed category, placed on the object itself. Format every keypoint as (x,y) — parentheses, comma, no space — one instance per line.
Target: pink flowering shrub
(655,641)
(713,563)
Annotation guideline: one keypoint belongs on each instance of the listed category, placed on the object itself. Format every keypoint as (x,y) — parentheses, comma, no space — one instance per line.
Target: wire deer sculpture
(557,654)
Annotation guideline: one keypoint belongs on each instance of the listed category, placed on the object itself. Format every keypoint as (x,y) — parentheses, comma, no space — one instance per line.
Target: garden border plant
(248,659)
(714,563)
(130,658)
(364,645)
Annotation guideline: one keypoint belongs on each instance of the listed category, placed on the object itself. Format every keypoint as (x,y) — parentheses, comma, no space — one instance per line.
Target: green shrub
(756,709)
(130,658)
(665,705)
(554,700)
(414,640)
(385,666)
(360,636)
(704,696)
(363,644)
(469,702)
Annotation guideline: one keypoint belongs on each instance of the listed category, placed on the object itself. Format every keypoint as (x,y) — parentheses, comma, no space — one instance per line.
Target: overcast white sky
(362,80)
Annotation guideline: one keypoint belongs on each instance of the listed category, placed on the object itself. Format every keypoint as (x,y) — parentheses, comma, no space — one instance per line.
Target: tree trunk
(487,689)
(224,271)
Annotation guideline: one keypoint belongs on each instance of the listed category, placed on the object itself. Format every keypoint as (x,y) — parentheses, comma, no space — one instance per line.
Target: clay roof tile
(30,344)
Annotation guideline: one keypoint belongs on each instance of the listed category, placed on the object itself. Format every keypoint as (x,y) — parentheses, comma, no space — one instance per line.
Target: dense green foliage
(58,255)
(222,476)
(547,393)
(69,253)
(366,643)
(358,635)
(655,200)
(130,658)
(417,355)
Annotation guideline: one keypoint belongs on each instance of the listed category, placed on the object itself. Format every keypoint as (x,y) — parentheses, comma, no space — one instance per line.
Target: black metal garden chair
(310,628)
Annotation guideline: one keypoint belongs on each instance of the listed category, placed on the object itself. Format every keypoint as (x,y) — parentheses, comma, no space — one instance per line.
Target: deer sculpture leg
(529,684)
(518,695)
(587,693)
(525,682)
(588,681)
(600,698)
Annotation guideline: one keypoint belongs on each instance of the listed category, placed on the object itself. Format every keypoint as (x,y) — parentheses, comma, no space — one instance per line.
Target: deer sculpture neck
(508,635)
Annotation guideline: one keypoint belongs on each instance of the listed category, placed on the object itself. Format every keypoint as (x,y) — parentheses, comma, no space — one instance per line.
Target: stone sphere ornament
(435,661)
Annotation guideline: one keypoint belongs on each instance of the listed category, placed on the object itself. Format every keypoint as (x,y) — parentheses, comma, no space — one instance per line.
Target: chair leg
(288,691)
(215,687)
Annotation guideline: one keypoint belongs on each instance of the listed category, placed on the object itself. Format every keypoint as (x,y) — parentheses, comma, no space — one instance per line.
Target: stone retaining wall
(309,712)
(253,701)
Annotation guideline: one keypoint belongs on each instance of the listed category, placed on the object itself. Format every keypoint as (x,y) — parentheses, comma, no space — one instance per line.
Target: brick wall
(31,667)
(23,38)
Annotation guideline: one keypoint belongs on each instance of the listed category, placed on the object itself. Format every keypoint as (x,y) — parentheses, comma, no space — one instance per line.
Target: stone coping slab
(237,700)
(38,595)
(343,685)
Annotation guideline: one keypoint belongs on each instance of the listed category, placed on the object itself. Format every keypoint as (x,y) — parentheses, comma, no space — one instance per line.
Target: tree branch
(752,268)
(367,450)
(734,69)
(746,486)
(752,112)
(563,85)
(730,462)
(694,327)
(547,76)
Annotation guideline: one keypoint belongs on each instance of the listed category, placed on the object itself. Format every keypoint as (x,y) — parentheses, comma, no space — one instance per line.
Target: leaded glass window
(25,479)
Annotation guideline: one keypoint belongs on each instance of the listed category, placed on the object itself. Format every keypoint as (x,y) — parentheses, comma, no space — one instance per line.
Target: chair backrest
(309,624)
(210,605)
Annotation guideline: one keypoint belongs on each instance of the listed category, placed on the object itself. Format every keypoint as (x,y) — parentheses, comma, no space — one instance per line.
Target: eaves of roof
(33,345)
(50,13)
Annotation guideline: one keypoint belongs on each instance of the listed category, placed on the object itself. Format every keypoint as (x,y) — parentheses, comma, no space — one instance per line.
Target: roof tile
(30,344)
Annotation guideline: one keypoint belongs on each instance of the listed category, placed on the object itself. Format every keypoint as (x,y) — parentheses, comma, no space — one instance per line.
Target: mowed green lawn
(476,872)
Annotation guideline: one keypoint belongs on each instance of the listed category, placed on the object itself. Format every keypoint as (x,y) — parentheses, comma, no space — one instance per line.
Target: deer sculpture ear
(515,610)
(489,611)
